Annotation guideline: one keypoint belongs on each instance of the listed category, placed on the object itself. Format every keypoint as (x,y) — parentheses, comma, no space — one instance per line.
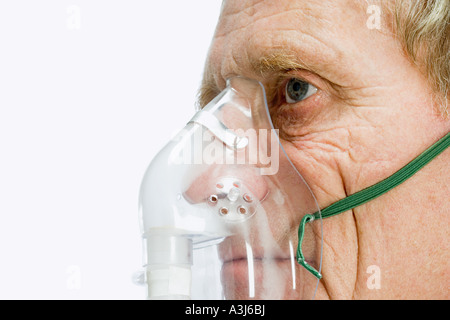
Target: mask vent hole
(223,211)
(242,210)
(247,198)
(212,200)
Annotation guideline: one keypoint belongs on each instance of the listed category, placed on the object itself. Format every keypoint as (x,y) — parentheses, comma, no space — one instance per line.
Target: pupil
(297,89)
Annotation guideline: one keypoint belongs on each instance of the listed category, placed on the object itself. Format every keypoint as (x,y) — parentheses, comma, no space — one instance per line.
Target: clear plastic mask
(220,207)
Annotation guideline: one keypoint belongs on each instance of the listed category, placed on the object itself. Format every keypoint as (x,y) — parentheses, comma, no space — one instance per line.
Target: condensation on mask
(220,206)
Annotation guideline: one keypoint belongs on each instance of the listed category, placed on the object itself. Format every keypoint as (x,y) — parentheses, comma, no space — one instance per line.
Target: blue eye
(298,90)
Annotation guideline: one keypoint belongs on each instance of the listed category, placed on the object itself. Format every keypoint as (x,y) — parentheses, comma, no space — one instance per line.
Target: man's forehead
(282,34)
(244,14)
(316,8)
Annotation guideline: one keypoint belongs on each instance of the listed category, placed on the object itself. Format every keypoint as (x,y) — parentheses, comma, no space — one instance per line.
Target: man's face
(343,95)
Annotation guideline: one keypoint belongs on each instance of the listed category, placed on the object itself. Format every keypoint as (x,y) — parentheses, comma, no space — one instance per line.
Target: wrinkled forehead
(313,15)
(316,32)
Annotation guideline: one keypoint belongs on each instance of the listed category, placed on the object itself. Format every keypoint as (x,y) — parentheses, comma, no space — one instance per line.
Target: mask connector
(168,269)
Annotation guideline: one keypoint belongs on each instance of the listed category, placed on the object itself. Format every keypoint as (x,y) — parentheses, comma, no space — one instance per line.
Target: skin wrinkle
(229,33)
(365,122)
(347,149)
(337,267)
(330,147)
(361,97)
(357,267)
(310,156)
(322,150)
(240,10)
(258,20)
(310,60)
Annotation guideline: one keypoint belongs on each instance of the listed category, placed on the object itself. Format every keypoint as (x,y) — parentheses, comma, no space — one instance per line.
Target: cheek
(323,134)
(319,160)
(342,156)
(323,149)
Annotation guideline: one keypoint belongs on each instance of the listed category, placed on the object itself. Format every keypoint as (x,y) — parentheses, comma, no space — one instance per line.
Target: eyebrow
(278,61)
(271,64)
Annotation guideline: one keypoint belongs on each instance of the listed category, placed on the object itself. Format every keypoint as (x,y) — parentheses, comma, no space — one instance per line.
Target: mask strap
(369,194)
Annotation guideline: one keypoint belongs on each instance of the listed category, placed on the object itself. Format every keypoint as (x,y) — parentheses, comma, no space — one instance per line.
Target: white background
(89,92)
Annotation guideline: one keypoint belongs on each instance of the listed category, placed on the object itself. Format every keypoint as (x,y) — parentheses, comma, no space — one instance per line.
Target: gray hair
(423,28)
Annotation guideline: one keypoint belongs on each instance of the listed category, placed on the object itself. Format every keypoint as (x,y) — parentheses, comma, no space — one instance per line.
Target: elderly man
(357,90)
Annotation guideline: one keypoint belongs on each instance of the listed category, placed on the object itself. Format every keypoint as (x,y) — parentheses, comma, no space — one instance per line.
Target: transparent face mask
(220,207)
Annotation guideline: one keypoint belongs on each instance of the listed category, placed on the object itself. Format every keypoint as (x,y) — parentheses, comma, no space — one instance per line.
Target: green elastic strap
(369,194)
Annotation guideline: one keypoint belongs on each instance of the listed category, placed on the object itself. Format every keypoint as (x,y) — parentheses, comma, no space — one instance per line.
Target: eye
(298,90)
